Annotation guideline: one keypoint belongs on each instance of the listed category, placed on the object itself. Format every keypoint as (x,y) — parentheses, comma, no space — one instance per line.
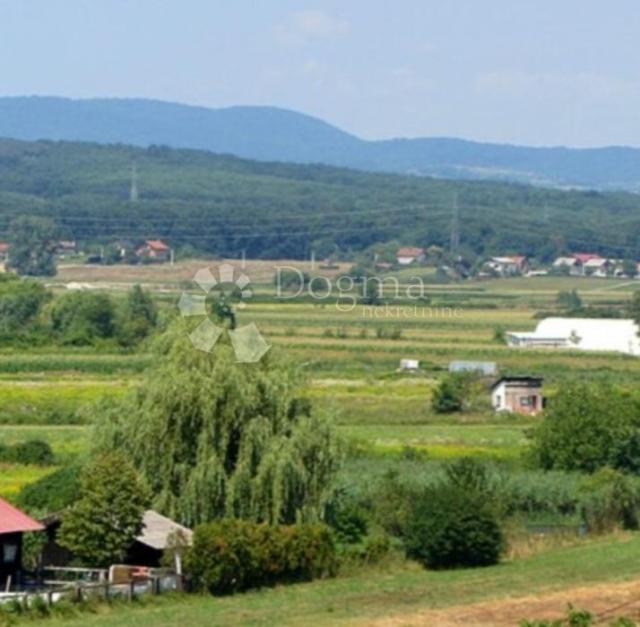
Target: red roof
(156,244)
(584,257)
(409,251)
(12,520)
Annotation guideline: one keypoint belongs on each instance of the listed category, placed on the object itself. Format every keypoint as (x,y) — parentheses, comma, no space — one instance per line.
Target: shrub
(451,393)
(36,452)
(609,502)
(347,518)
(234,555)
(31,452)
(81,318)
(52,493)
(450,528)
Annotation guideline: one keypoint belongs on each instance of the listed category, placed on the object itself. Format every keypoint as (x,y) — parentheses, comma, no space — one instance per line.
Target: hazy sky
(521,71)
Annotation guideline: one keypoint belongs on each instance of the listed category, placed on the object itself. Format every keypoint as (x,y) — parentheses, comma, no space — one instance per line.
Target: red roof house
(409,254)
(154,249)
(584,257)
(13,523)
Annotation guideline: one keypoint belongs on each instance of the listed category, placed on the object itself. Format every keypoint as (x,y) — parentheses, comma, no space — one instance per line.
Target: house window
(498,401)
(9,552)
(525,401)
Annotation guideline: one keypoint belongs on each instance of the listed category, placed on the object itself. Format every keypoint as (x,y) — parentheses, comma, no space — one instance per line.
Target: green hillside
(223,204)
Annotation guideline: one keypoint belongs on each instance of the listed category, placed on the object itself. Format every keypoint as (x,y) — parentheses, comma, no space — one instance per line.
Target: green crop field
(351,358)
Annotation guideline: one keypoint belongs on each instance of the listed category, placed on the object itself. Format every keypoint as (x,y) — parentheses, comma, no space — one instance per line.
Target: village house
(66,247)
(576,263)
(13,524)
(154,250)
(589,334)
(599,267)
(519,394)
(507,266)
(408,255)
(4,251)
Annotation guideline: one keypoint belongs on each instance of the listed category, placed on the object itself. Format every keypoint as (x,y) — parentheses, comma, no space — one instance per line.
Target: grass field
(391,591)
(351,359)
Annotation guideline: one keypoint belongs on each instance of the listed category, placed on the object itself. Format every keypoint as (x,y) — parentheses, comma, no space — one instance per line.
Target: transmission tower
(455,227)
(133,192)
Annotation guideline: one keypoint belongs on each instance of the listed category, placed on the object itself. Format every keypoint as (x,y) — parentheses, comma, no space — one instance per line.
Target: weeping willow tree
(214,438)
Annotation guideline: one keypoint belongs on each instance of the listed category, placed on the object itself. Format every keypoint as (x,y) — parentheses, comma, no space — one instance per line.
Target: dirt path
(603,600)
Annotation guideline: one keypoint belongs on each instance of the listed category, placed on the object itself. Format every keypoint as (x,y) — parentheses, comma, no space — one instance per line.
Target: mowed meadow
(350,352)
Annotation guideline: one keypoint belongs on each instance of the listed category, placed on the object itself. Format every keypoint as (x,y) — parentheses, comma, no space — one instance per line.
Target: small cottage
(518,394)
(407,255)
(154,250)
(13,524)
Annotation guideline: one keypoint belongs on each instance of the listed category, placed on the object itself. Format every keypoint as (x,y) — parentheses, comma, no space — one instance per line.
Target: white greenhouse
(589,334)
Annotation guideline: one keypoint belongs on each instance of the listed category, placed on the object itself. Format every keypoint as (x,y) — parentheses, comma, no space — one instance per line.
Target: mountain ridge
(277,134)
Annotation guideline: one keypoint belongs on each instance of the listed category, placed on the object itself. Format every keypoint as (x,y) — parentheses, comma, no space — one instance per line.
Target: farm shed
(519,394)
(485,368)
(146,549)
(588,334)
(13,524)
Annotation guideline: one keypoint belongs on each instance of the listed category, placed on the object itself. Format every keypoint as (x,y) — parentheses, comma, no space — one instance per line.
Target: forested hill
(268,133)
(223,204)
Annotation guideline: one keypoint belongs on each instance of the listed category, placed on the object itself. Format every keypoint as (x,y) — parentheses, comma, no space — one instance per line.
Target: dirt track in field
(605,601)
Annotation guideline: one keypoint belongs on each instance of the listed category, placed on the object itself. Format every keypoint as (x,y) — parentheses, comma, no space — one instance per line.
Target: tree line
(224,205)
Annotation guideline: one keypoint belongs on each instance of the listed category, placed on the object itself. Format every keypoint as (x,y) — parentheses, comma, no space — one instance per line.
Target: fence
(158,582)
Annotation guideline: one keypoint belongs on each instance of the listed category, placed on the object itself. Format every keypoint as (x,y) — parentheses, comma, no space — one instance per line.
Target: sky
(532,72)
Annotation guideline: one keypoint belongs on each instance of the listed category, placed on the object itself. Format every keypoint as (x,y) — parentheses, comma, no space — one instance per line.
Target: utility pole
(455,227)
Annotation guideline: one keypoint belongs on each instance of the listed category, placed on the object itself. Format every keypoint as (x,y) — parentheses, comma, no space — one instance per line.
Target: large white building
(589,334)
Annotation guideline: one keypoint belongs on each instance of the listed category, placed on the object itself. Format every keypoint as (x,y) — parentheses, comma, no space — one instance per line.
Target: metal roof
(157,529)
(12,520)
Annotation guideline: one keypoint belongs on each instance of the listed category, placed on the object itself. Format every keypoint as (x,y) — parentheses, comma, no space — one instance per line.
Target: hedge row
(234,555)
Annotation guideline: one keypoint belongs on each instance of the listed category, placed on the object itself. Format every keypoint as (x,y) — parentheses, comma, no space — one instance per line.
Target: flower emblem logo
(248,343)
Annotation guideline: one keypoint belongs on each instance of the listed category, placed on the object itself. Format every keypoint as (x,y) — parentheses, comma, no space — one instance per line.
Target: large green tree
(32,246)
(137,316)
(585,427)
(101,525)
(215,438)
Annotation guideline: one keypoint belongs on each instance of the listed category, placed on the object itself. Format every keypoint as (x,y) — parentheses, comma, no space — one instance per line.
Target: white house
(588,334)
(409,365)
(507,266)
(598,267)
(409,254)
(522,395)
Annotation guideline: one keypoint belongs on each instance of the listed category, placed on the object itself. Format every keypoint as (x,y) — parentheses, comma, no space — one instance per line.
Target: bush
(36,452)
(234,555)
(609,502)
(52,493)
(31,452)
(81,318)
(451,528)
(451,393)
